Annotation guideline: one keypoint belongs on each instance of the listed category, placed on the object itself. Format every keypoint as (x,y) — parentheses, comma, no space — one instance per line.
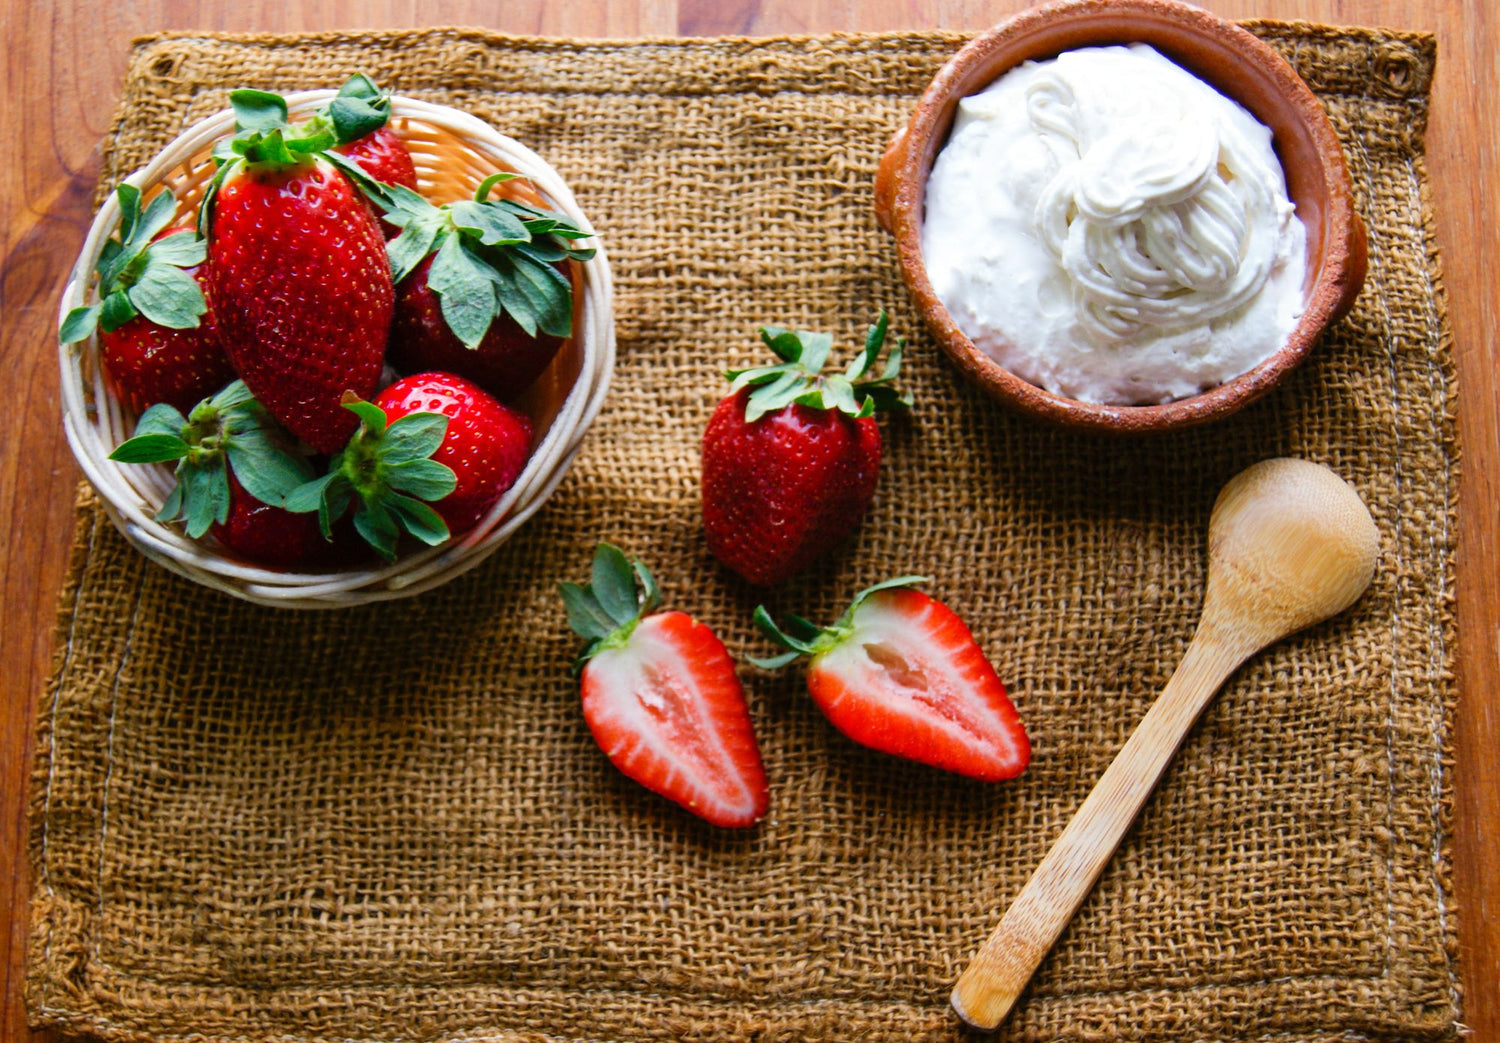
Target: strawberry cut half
(901,673)
(661,696)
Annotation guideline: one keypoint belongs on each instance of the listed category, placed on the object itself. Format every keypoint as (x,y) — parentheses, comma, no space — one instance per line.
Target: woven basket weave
(452,152)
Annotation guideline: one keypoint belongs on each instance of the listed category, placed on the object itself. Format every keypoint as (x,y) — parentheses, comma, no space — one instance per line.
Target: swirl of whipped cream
(1153,221)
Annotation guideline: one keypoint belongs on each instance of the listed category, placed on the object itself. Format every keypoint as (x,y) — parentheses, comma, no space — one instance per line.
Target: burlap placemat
(391,823)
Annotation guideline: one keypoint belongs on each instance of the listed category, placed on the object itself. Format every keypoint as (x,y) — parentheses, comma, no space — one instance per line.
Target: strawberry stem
(799,378)
(808,639)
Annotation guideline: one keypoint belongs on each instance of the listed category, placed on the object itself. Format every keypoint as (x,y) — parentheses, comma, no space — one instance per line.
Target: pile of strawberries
(791,459)
(261,348)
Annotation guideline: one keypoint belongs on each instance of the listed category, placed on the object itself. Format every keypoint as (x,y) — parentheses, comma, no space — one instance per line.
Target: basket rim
(132,493)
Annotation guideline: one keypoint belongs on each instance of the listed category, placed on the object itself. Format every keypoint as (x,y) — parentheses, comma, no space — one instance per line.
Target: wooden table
(63,67)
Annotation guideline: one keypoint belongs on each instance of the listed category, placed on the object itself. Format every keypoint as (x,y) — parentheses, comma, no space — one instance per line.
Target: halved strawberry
(901,673)
(661,696)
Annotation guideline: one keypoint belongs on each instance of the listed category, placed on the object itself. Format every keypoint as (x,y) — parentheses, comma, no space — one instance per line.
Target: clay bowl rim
(1323,196)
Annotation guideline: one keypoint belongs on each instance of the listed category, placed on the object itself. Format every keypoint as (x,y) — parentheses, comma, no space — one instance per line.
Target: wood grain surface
(62,68)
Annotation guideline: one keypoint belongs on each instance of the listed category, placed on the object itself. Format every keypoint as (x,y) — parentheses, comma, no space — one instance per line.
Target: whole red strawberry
(486,443)
(483,287)
(505,363)
(432,455)
(791,458)
(298,276)
(156,333)
(359,116)
(661,696)
(901,673)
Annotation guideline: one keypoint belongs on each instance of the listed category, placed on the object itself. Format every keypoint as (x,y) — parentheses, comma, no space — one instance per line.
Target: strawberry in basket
(360,117)
(156,331)
(483,287)
(234,466)
(661,697)
(901,673)
(298,276)
(432,455)
(791,456)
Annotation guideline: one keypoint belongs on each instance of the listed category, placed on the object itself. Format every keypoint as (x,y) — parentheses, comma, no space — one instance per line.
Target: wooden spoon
(1289,544)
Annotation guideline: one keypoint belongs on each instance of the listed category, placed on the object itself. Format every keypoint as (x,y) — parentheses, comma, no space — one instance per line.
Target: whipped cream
(1110,228)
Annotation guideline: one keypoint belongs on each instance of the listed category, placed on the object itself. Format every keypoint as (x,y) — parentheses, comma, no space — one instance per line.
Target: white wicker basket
(452,152)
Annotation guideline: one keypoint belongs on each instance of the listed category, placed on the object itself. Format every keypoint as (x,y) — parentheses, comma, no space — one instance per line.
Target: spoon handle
(1000,970)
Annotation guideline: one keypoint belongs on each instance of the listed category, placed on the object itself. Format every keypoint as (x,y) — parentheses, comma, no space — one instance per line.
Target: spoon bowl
(1290,544)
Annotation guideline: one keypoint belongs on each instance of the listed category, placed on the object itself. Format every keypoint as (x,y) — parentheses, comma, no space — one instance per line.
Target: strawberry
(486,444)
(482,286)
(506,361)
(226,437)
(791,457)
(360,117)
(265,534)
(431,457)
(901,673)
(157,341)
(661,697)
(298,276)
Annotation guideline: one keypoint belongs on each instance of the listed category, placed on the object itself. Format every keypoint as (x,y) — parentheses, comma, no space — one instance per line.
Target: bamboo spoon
(1289,544)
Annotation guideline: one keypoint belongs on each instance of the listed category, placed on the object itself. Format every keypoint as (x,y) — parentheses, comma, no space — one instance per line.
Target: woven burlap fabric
(390,823)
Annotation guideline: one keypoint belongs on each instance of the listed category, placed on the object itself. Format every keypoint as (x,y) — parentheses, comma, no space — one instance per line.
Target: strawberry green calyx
(802,638)
(384,474)
(140,277)
(492,257)
(264,139)
(358,109)
(799,380)
(229,430)
(606,610)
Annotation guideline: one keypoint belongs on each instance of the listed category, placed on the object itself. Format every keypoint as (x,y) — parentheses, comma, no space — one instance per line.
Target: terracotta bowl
(1215,50)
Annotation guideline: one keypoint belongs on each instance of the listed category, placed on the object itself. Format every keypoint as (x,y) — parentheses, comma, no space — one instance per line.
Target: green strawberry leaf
(490,223)
(267,471)
(268,149)
(258,110)
(205,495)
(79,324)
(482,193)
(130,209)
(361,86)
(465,291)
(414,436)
(168,296)
(171,508)
(183,249)
(353,118)
(371,415)
(150,449)
(585,615)
(427,479)
(308,497)
(614,584)
(376,524)
(161,419)
(157,216)
(117,311)
(416,241)
(419,519)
